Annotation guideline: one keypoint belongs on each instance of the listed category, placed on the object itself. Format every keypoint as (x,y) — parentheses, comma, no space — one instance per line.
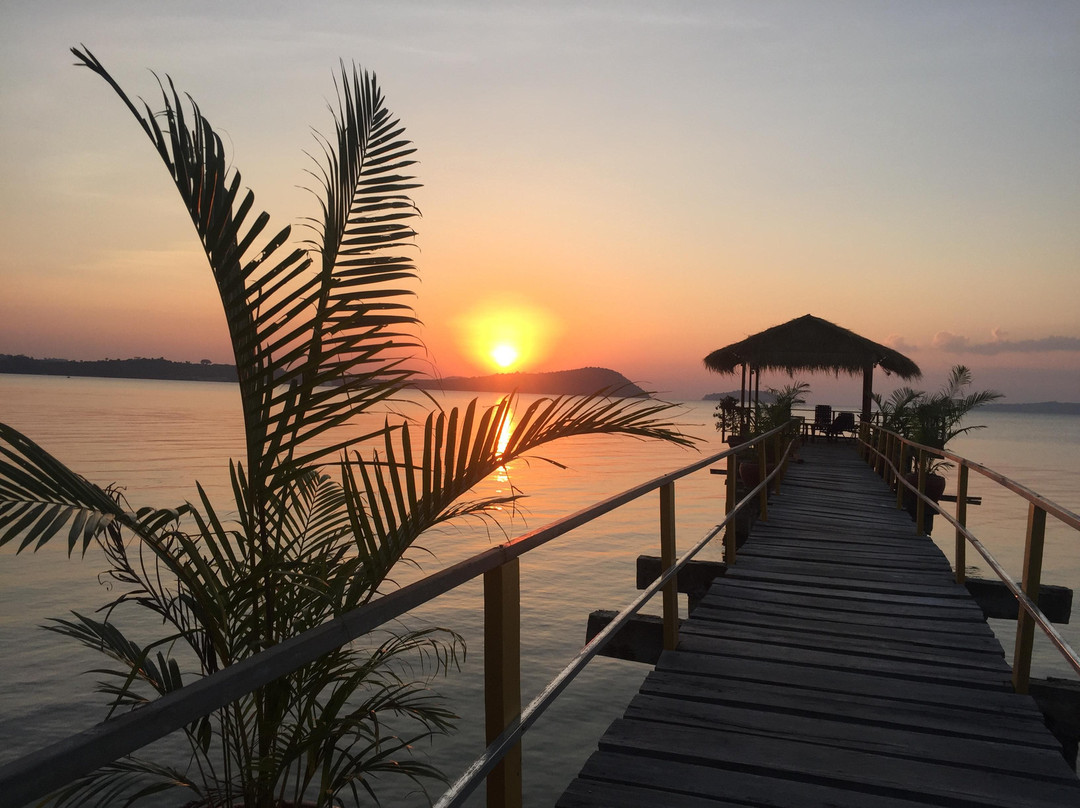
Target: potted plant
(728,417)
(932,419)
(767,417)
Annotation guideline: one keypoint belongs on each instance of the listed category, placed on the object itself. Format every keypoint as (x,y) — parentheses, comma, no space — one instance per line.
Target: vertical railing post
(667,561)
(763,497)
(920,505)
(1025,623)
(729,506)
(502,677)
(884,447)
(901,463)
(778,448)
(888,454)
(961,518)
(881,443)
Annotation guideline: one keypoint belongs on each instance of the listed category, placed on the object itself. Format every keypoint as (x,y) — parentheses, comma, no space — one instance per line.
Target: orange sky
(633,186)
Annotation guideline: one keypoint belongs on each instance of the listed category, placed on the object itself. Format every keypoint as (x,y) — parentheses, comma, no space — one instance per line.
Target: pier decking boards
(837,663)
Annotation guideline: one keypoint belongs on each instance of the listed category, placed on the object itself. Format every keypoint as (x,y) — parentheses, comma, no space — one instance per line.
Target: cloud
(900,344)
(955,343)
(952,343)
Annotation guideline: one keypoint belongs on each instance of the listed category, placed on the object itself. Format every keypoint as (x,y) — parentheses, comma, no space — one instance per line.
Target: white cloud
(955,343)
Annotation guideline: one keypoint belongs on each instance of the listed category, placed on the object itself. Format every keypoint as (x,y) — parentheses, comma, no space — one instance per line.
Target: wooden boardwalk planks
(837,663)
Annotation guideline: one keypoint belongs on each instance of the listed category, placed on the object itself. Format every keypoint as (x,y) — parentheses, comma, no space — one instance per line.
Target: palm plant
(321,333)
(770,416)
(934,419)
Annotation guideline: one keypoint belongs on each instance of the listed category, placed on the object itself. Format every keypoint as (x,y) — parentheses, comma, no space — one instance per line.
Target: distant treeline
(764,396)
(138,368)
(1040,407)
(582,381)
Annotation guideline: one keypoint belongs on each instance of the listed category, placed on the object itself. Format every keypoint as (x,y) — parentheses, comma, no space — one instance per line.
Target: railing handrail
(462,788)
(37,773)
(1059,512)
(1025,601)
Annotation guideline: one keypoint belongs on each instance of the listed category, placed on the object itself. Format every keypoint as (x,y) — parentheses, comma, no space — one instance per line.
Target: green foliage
(727,415)
(321,333)
(934,419)
(770,416)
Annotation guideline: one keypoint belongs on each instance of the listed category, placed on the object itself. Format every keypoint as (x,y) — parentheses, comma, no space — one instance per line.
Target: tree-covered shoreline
(135,368)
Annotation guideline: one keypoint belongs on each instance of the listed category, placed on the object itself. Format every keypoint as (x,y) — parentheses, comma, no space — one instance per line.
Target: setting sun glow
(504,355)
(507,336)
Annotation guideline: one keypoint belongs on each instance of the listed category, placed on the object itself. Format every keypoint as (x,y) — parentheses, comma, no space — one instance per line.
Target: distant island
(138,368)
(582,381)
(1035,408)
(1039,408)
(765,397)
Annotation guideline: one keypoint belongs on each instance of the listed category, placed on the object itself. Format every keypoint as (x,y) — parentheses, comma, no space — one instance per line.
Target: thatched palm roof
(811,344)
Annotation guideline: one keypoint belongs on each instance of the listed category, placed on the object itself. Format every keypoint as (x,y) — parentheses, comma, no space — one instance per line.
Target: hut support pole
(744,426)
(867,397)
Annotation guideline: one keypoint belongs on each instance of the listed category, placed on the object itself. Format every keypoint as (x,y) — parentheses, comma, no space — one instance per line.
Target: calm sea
(157,438)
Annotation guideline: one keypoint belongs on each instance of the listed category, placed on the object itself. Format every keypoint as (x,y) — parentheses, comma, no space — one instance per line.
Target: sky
(616,184)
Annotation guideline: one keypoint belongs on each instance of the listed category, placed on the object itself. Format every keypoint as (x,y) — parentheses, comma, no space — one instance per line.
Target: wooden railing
(891,455)
(35,775)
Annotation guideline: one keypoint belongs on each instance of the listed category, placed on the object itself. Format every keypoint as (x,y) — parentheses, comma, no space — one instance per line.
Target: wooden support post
(961,517)
(1025,624)
(502,677)
(867,391)
(667,561)
(763,497)
(729,506)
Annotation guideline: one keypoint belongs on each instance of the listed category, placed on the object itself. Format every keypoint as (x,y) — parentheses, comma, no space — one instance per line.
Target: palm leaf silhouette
(315,341)
(320,334)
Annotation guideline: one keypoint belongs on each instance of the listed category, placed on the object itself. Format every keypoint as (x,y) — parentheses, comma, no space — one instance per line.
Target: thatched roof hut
(813,345)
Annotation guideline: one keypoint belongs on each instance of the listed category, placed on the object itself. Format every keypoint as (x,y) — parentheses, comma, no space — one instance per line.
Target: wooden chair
(844,422)
(822,419)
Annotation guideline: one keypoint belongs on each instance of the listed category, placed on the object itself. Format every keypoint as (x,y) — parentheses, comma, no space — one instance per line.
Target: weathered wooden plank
(592,793)
(929,633)
(855,555)
(833,680)
(931,592)
(670,780)
(884,594)
(837,767)
(837,663)
(892,741)
(943,609)
(1024,727)
(995,600)
(842,576)
(890,668)
(868,644)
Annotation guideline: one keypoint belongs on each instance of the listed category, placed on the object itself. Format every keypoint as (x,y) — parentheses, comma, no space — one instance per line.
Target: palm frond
(141,664)
(315,342)
(39,496)
(319,335)
(123,783)
(395,496)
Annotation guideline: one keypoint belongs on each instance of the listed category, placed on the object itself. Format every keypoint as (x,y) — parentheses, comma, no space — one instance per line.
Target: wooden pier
(837,663)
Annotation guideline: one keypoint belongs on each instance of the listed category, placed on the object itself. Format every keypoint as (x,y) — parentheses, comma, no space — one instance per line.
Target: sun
(504,355)
(504,336)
